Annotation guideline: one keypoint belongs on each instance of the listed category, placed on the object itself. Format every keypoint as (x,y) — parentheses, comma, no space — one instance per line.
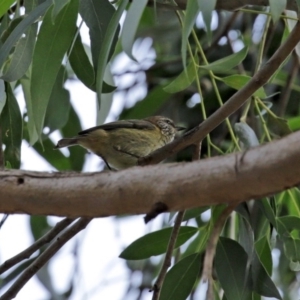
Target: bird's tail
(66,143)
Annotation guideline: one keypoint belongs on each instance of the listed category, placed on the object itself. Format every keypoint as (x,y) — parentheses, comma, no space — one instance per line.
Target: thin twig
(211,249)
(47,238)
(44,257)
(167,261)
(197,151)
(285,94)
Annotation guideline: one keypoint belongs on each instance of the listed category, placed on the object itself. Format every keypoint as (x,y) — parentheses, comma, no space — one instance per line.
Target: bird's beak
(179,128)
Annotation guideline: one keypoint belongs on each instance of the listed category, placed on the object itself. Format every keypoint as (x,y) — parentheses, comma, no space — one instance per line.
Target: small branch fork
(44,257)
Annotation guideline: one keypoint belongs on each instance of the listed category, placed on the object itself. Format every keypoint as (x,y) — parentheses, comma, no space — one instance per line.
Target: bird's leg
(123,151)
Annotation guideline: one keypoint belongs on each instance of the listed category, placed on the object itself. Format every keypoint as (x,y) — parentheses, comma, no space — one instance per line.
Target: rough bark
(237,177)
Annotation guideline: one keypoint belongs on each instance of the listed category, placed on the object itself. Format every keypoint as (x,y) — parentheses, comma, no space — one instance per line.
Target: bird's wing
(134,124)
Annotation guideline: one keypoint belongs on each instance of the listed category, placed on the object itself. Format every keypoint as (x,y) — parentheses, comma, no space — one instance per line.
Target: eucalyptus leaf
(230,264)
(184,79)
(207,8)
(2,95)
(288,223)
(262,282)
(4,6)
(11,125)
(22,56)
(156,243)
(276,8)
(292,249)
(131,24)
(25,82)
(263,250)
(239,81)
(278,126)
(81,65)
(97,15)
(21,28)
(294,123)
(106,51)
(228,62)
(58,6)
(180,279)
(60,97)
(52,43)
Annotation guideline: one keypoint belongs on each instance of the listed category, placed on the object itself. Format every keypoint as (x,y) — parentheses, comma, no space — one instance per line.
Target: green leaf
(11,125)
(11,26)
(39,226)
(22,56)
(5,5)
(97,15)
(107,98)
(264,205)
(60,97)
(156,243)
(192,11)
(291,200)
(58,6)
(52,43)
(207,8)
(2,95)
(228,62)
(246,135)
(81,64)
(33,136)
(292,252)
(180,279)
(194,212)
(276,8)
(263,251)
(231,262)
(278,126)
(21,28)
(198,244)
(262,282)
(245,235)
(183,80)
(107,48)
(288,223)
(239,81)
(131,24)
(294,123)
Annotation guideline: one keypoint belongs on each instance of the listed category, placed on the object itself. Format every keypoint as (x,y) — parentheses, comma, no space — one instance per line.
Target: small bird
(120,144)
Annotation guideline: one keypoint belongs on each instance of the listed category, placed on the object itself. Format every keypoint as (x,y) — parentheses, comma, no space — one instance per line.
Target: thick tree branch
(236,177)
(233,104)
